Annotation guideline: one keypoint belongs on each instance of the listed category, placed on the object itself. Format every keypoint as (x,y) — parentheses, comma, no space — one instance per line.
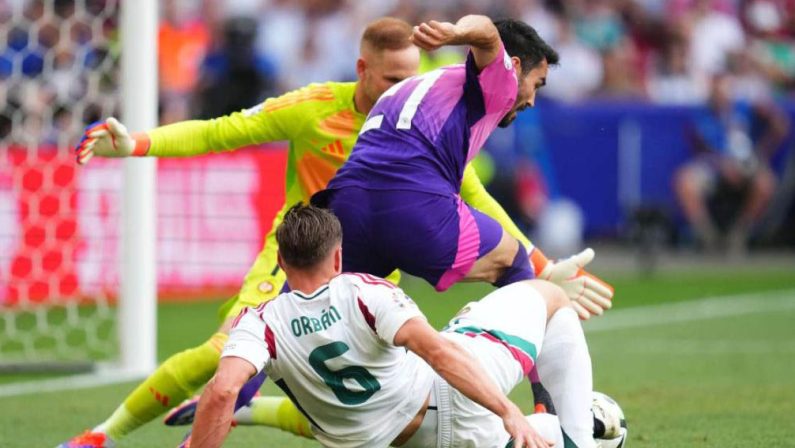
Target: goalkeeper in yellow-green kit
(322,123)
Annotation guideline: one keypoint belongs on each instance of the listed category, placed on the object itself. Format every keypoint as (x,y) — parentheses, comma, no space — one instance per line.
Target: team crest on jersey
(254,110)
(265,287)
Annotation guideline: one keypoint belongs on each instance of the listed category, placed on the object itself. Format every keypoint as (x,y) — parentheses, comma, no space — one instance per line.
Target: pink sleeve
(490,94)
(499,84)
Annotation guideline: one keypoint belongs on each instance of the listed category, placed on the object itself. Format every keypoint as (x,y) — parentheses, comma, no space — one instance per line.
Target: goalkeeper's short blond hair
(386,33)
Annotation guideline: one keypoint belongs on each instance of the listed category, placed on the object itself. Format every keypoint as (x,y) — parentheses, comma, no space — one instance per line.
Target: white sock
(244,416)
(548,427)
(564,366)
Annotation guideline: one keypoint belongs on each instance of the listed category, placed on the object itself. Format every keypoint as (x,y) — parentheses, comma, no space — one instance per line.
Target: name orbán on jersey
(334,349)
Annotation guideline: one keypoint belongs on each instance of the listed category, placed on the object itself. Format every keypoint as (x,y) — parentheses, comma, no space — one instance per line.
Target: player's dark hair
(522,41)
(387,33)
(306,235)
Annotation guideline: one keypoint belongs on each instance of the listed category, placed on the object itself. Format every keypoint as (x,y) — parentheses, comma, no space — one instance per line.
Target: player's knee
(680,179)
(765,184)
(689,181)
(519,269)
(554,296)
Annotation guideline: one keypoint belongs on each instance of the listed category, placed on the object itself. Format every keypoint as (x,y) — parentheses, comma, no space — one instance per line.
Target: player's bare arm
(216,407)
(476,31)
(463,372)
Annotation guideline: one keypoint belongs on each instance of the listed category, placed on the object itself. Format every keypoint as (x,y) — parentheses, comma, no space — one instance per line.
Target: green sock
(276,412)
(174,381)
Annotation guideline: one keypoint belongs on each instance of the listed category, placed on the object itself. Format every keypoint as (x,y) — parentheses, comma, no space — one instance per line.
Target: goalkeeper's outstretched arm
(276,119)
(184,139)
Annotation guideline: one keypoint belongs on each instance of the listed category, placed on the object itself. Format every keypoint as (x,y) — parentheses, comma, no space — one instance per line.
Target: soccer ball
(610,427)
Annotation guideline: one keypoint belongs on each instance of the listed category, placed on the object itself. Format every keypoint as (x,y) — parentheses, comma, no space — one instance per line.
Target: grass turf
(724,382)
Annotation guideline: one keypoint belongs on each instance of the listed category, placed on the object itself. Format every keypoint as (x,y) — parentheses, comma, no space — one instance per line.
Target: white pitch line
(703,347)
(644,316)
(693,310)
(103,377)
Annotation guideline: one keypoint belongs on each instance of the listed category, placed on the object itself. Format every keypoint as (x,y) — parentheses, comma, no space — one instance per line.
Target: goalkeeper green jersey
(319,121)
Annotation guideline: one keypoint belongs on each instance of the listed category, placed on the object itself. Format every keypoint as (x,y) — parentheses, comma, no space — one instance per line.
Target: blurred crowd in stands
(736,56)
(664,51)
(59,61)
(221,55)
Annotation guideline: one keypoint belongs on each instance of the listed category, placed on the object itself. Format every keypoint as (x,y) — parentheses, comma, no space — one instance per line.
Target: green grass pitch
(693,382)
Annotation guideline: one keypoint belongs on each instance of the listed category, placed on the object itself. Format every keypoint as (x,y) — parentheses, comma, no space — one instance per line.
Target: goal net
(77,244)
(60,226)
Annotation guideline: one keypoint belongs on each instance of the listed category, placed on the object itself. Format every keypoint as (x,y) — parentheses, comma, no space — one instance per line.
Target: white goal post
(137,317)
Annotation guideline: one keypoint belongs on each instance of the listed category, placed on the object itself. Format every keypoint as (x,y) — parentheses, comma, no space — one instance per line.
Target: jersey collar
(313,295)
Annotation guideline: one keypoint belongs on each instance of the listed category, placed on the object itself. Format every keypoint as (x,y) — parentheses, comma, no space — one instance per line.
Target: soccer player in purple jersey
(398,195)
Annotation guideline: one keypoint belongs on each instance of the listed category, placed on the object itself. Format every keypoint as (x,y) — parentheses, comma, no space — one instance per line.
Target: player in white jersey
(336,345)
(334,348)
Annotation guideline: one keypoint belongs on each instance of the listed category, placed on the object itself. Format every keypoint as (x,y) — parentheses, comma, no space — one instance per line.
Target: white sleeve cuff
(387,330)
(247,343)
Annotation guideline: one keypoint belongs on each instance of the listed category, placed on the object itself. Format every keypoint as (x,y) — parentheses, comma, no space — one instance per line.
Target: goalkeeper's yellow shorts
(264,282)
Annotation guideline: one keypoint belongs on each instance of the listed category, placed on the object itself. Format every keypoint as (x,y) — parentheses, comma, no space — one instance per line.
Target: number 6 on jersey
(335,378)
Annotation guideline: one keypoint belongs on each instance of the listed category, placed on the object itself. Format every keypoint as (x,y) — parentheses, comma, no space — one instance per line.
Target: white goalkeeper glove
(590,296)
(110,139)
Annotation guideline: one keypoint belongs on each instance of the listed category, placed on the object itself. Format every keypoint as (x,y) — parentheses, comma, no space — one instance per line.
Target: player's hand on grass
(522,434)
(432,35)
(590,295)
(109,139)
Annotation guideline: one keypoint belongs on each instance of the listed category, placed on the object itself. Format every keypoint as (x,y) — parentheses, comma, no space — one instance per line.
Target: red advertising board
(60,223)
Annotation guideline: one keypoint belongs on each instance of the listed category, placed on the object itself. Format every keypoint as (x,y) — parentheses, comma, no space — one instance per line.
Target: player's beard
(507,119)
(511,115)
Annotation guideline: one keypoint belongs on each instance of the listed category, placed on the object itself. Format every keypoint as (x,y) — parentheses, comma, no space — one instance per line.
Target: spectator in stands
(771,27)
(673,80)
(749,82)
(183,40)
(234,76)
(732,143)
(327,44)
(713,36)
(580,73)
(280,38)
(621,77)
(533,11)
(598,25)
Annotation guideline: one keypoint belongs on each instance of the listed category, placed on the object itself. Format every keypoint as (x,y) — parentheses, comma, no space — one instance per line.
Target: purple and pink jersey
(397,195)
(423,131)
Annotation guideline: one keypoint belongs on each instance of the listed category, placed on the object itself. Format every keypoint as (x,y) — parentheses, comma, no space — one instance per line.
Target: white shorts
(503,332)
